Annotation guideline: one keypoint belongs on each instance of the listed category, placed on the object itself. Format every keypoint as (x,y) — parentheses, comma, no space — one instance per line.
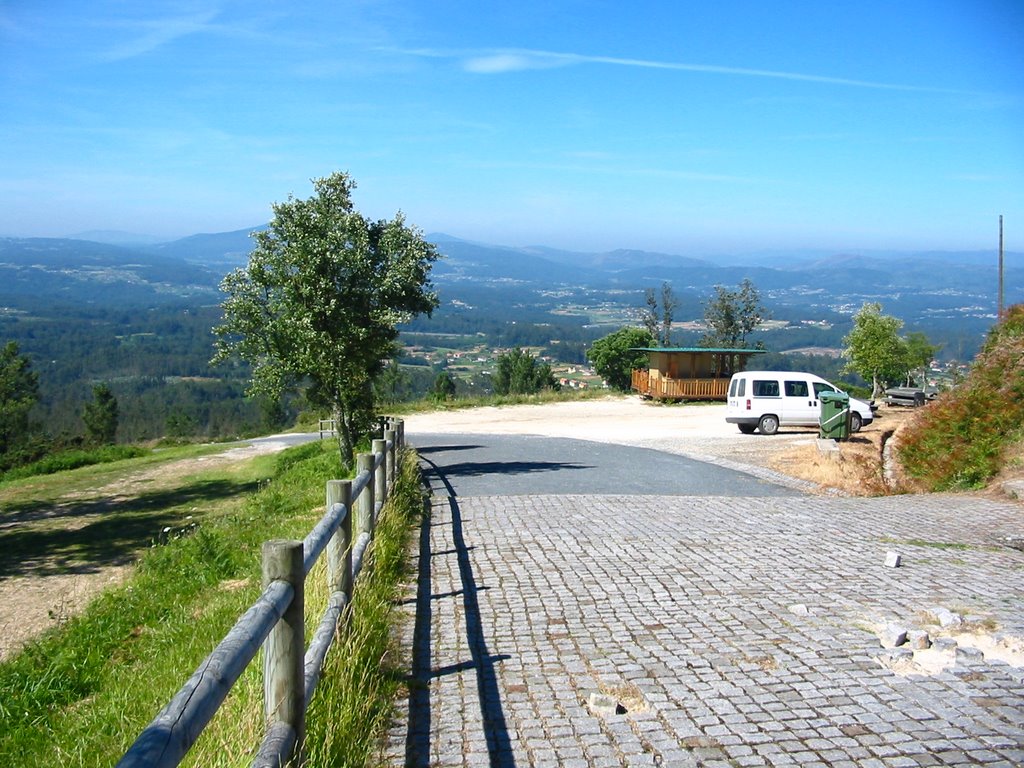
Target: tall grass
(352,708)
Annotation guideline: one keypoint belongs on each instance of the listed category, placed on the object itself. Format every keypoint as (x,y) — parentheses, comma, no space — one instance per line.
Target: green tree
(615,356)
(19,392)
(100,416)
(874,349)
(320,300)
(393,385)
(520,373)
(443,387)
(730,316)
(658,322)
(920,353)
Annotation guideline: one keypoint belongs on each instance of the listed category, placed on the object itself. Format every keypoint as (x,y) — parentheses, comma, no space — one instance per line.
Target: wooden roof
(711,350)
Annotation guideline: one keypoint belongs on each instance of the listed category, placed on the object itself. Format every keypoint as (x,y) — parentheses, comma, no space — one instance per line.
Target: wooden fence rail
(276,622)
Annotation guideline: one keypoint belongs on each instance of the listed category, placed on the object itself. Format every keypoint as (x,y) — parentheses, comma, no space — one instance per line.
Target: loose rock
(918,640)
(946,618)
(893,636)
(604,705)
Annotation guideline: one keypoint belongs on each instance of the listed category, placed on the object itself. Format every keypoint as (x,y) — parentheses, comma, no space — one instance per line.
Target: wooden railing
(276,622)
(664,388)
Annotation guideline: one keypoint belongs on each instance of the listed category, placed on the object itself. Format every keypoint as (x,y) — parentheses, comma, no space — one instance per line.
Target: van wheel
(747,429)
(768,424)
(855,422)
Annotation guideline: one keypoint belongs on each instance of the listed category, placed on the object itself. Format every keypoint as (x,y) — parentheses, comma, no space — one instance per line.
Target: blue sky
(684,127)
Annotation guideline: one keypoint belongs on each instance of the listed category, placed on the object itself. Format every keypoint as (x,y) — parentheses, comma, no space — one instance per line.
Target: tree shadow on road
(482,660)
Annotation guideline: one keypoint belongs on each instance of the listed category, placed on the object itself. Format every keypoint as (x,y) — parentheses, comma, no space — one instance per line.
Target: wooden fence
(665,388)
(276,622)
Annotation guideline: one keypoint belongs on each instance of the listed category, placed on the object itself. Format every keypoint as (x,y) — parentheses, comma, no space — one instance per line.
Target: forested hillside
(140,318)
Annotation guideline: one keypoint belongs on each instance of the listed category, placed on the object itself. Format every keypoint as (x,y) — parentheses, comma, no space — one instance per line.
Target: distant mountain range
(192,267)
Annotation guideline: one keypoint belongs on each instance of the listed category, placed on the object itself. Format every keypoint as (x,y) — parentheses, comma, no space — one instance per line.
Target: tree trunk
(343,427)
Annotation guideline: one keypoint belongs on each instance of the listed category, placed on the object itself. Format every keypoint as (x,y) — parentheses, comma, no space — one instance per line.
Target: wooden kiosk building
(689,373)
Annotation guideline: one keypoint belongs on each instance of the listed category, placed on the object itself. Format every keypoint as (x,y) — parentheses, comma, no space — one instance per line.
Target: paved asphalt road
(514,465)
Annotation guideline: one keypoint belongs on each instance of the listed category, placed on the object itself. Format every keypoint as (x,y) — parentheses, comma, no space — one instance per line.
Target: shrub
(958,442)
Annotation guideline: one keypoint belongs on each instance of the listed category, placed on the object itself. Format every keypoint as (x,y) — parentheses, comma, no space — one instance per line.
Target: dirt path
(43,579)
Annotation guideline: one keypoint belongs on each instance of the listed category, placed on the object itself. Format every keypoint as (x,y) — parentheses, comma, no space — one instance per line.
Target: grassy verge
(65,460)
(80,695)
(965,437)
(482,401)
(352,708)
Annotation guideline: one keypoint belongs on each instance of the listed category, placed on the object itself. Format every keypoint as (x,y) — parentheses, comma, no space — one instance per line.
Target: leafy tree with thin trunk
(920,353)
(100,416)
(615,356)
(19,392)
(658,322)
(874,349)
(668,308)
(319,303)
(730,316)
(650,318)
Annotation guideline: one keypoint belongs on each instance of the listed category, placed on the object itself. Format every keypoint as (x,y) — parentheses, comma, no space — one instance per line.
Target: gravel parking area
(697,430)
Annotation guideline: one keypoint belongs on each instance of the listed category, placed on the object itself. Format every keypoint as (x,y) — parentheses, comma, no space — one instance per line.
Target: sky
(683,127)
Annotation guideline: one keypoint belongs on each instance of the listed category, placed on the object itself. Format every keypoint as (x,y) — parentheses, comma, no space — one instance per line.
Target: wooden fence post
(390,436)
(339,548)
(380,475)
(284,687)
(365,503)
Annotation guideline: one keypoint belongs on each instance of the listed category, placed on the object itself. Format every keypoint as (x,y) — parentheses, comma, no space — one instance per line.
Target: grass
(924,543)
(65,460)
(497,401)
(77,520)
(82,693)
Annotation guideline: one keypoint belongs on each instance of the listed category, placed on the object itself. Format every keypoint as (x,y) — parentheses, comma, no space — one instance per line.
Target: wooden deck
(664,388)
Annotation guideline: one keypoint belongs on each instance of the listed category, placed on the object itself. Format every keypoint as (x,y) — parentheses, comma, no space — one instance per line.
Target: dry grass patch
(857,469)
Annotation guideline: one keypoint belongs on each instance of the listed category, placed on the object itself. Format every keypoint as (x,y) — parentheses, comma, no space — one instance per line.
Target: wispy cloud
(515,60)
(155,33)
(147,35)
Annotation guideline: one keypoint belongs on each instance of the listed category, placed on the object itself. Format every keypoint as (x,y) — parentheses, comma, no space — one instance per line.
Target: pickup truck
(911,397)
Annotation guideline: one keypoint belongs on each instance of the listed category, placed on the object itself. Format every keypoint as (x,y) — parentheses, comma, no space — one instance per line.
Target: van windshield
(821,386)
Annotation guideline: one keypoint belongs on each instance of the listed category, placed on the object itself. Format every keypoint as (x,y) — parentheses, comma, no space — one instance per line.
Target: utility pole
(999,315)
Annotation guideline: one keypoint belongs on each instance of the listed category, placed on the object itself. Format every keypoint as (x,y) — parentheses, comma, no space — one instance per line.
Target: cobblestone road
(739,632)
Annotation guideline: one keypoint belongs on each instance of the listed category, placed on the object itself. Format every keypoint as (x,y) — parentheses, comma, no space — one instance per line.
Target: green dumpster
(835,415)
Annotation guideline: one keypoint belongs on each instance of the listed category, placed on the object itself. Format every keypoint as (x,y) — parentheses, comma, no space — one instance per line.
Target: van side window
(763,388)
(796,389)
(820,386)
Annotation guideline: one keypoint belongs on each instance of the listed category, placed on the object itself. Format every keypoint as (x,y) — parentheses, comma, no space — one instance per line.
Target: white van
(766,400)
